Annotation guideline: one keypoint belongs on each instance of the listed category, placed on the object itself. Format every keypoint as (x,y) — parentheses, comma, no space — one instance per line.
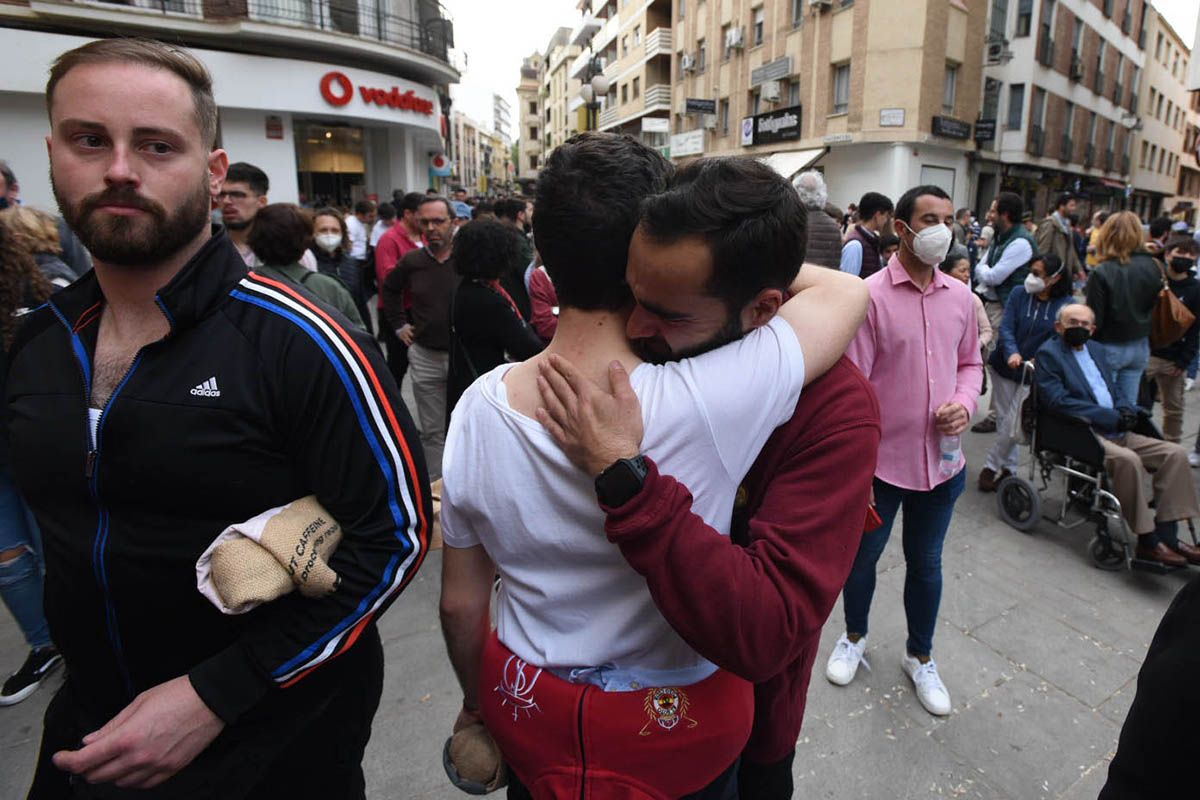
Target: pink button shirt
(919,350)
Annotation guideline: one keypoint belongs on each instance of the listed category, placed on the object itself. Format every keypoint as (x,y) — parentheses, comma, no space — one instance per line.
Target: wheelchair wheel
(1018,503)
(1105,554)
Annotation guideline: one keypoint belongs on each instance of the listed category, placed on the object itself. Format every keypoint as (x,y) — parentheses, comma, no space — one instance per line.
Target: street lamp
(595,86)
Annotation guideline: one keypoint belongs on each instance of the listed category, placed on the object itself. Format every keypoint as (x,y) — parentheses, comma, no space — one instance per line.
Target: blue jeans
(1194,367)
(21,578)
(926,520)
(1125,362)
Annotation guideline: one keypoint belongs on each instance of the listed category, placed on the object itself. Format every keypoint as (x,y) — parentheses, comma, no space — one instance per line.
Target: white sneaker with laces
(1189,384)
(844,660)
(930,689)
(1194,458)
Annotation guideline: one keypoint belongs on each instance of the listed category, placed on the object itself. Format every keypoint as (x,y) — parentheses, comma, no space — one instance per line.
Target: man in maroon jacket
(753,603)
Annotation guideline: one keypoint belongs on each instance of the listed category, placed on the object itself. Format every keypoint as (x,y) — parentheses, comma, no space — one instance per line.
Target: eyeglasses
(433,223)
(234,195)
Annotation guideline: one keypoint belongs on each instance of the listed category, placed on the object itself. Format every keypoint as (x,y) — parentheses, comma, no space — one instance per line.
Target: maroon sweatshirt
(754,602)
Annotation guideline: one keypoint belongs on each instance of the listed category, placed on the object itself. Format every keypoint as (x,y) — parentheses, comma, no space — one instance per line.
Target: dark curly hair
(487,249)
(21,282)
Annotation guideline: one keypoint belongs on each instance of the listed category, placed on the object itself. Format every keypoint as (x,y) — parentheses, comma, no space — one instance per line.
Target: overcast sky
(492,37)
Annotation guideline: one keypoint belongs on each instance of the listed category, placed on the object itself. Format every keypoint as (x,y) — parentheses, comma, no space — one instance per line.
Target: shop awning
(789,163)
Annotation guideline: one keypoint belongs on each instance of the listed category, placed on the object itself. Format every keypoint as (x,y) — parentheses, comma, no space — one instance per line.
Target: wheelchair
(1065,448)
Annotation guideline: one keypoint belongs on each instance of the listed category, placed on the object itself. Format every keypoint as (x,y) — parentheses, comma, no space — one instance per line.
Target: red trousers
(575,740)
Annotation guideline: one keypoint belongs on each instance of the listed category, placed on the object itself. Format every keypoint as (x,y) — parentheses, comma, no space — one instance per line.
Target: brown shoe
(987,480)
(1188,551)
(1161,554)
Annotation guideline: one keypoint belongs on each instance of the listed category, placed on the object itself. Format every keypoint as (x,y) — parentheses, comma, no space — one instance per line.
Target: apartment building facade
(560,90)
(880,96)
(1063,84)
(529,116)
(470,139)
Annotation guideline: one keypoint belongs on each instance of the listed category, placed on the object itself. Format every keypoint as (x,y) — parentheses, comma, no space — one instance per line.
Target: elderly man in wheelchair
(1074,389)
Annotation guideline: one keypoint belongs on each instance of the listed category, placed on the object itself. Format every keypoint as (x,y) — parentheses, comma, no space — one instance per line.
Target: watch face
(621,482)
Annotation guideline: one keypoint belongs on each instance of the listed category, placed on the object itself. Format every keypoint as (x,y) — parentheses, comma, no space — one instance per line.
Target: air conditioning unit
(710,121)
(769,92)
(820,3)
(1076,68)
(687,62)
(735,38)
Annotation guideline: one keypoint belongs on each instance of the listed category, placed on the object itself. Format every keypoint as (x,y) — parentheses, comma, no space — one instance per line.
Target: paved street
(1039,649)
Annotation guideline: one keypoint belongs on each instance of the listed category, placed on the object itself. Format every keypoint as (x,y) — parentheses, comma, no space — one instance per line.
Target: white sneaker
(1194,458)
(844,660)
(1189,384)
(930,689)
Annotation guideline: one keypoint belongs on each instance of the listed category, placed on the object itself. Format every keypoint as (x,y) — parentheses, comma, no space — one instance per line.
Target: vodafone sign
(338,90)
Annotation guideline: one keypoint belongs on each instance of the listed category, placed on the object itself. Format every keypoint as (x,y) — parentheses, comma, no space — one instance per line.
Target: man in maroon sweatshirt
(753,603)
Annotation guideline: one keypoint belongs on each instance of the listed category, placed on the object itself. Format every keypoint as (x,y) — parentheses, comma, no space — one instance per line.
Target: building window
(760,24)
(701,56)
(625,45)
(533,132)
(950,89)
(637,88)
(794,91)
(1158,108)
(1108,8)
(998,25)
(726,44)
(1037,111)
(1092,130)
(841,88)
(624,93)
(723,116)
(1016,106)
(682,11)
(755,103)
(1142,157)
(533,162)
(637,35)
(797,12)
(1158,43)
(1024,17)
(1077,38)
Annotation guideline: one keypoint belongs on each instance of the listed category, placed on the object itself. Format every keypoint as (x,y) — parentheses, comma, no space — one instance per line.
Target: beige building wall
(1159,153)
(559,89)
(635,42)
(529,116)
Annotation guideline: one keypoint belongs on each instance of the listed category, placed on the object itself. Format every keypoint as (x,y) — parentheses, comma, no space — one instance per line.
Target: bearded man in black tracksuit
(156,401)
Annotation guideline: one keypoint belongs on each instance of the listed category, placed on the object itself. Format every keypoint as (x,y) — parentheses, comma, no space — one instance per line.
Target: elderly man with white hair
(824,234)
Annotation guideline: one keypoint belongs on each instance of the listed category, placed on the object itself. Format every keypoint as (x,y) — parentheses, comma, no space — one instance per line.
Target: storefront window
(331,163)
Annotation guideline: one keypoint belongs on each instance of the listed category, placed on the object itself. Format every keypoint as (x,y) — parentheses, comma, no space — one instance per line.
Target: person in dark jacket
(22,286)
(161,398)
(1073,380)
(332,250)
(862,254)
(279,237)
(1122,291)
(486,328)
(1027,323)
(824,234)
(1168,365)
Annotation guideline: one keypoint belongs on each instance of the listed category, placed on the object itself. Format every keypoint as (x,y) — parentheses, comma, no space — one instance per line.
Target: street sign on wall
(697,105)
(775,70)
(985,130)
(777,126)
(690,143)
(951,128)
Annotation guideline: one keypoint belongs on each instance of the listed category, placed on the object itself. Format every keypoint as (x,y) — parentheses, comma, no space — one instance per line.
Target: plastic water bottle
(951,461)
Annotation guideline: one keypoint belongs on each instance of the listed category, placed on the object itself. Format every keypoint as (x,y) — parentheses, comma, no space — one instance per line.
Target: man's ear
(762,309)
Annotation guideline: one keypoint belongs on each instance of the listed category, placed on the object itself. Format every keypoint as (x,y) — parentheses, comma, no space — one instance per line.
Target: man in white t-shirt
(584,682)
(358,226)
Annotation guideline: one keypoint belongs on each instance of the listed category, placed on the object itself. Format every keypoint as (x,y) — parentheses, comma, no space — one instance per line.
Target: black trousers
(397,353)
(766,781)
(306,741)
(723,788)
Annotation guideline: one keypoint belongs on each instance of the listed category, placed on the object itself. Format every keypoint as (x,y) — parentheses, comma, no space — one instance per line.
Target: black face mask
(1075,337)
(1182,264)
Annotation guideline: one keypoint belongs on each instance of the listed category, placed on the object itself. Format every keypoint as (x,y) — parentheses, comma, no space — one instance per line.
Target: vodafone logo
(439,161)
(338,90)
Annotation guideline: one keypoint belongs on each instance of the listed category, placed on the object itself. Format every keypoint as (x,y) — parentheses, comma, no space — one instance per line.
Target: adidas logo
(207,389)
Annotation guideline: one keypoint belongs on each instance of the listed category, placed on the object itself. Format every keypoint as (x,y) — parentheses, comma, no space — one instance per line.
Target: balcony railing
(1076,71)
(1045,55)
(1066,148)
(1037,140)
(658,95)
(428,30)
(658,43)
(608,117)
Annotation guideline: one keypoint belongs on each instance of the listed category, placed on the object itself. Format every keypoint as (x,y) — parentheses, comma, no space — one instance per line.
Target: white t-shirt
(568,599)
(358,236)
(378,230)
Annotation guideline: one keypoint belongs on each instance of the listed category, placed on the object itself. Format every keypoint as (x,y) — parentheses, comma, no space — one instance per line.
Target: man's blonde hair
(149,53)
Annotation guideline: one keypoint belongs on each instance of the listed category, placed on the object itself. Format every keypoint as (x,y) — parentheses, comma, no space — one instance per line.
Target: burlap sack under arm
(267,556)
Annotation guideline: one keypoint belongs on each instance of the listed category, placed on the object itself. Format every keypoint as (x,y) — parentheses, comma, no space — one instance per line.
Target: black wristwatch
(621,481)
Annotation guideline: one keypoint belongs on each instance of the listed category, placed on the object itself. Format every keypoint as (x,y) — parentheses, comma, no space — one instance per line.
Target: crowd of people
(661,461)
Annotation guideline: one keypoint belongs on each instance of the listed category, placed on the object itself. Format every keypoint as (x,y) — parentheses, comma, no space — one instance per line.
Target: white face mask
(932,244)
(328,241)
(1034,284)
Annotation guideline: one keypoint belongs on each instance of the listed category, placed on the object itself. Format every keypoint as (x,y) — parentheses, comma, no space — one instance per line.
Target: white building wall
(23,146)
(891,169)
(244,137)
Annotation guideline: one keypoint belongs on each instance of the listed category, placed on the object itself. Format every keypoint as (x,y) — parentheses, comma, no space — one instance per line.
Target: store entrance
(331,162)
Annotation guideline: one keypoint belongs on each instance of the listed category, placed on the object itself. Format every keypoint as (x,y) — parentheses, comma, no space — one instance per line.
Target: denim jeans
(926,520)
(21,578)
(1125,362)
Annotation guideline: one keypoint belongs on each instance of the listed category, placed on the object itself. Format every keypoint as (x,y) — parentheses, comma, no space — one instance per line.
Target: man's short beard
(143,241)
(657,351)
(237,225)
